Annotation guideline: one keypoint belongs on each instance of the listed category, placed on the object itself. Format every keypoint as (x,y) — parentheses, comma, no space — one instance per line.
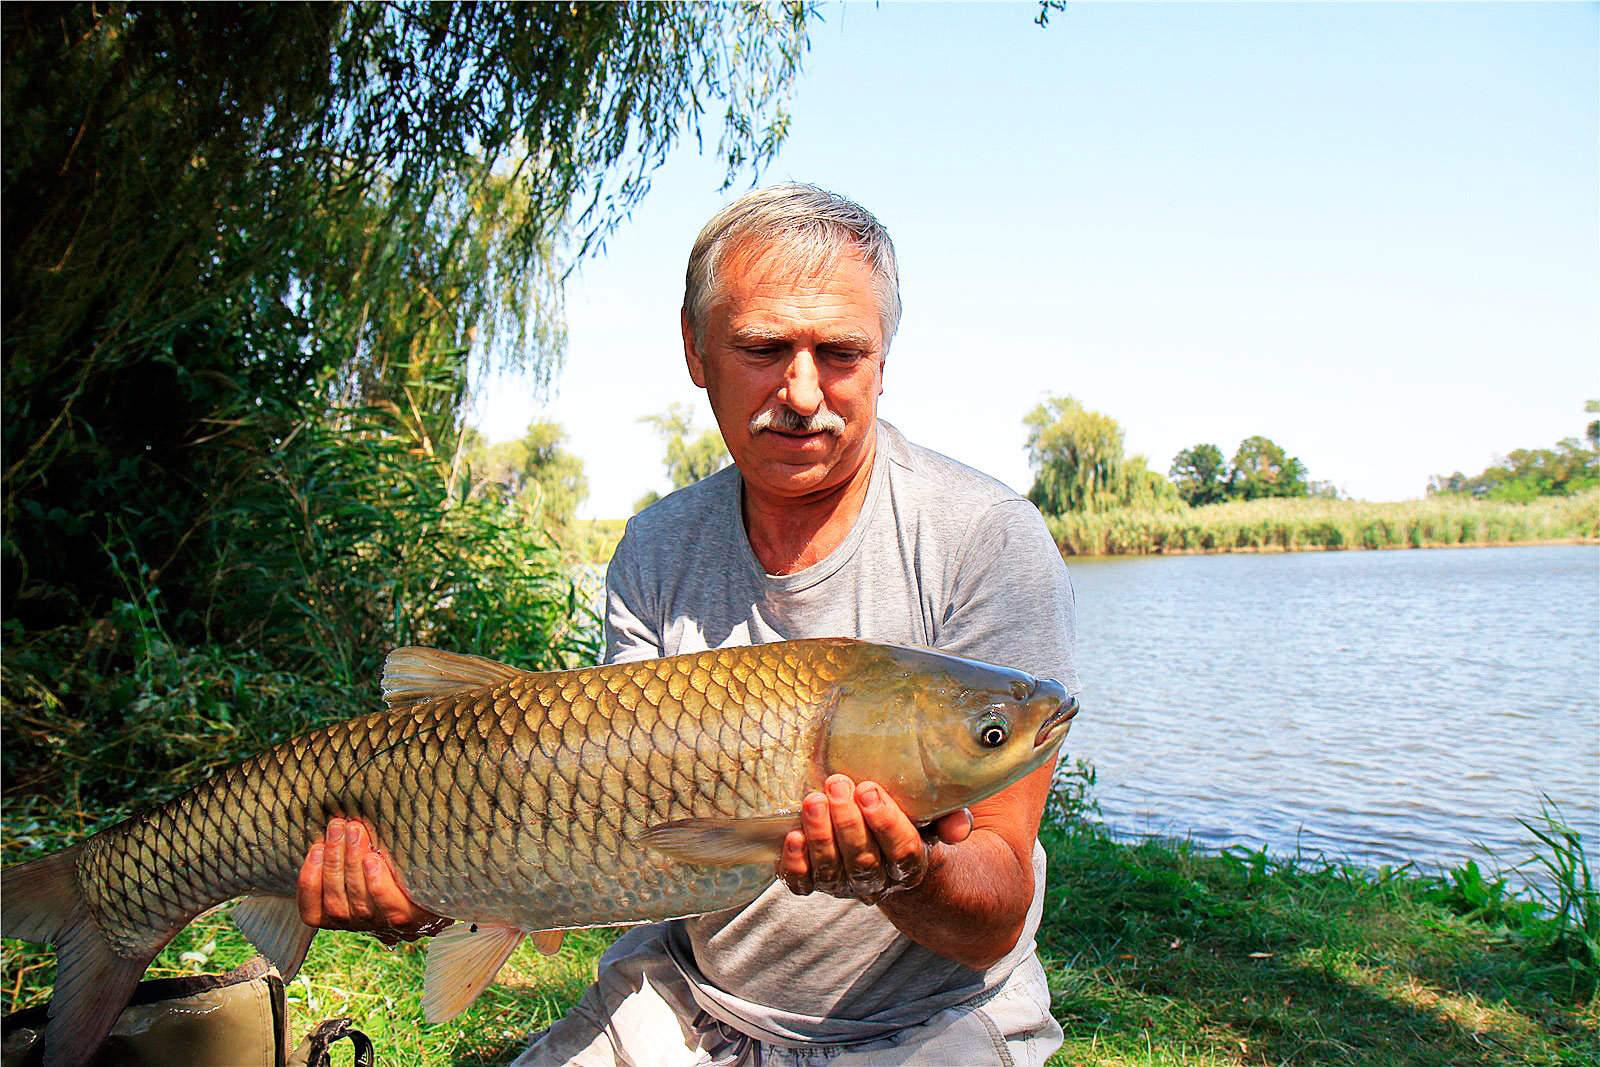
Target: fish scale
(433,784)
(527,802)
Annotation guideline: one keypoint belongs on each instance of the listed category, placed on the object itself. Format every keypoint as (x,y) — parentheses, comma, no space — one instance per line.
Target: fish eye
(993,731)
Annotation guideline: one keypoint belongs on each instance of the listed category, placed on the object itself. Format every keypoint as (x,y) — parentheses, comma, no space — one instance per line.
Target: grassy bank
(1309,524)
(1157,953)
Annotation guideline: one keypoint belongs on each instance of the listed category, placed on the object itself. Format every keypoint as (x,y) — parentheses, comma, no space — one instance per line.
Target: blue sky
(1370,232)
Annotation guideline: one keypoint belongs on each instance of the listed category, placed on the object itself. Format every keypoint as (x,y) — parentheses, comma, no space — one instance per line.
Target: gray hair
(811,227)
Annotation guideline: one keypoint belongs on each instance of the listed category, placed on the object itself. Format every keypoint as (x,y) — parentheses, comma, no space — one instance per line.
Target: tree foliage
(253,257)
(1079,465)
(1200,475)
(534,473)
(1523,474)
(689,456)
(1260,469)
(226,224)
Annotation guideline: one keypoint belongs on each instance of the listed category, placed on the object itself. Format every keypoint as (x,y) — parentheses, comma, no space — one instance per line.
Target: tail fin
(93,982)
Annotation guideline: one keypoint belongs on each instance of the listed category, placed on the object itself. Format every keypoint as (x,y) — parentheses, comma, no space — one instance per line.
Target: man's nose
(802,386)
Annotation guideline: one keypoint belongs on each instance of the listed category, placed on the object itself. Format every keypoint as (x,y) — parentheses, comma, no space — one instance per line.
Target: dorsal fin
(411,674)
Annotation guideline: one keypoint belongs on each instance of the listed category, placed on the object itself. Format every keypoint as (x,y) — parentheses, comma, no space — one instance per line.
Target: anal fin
(548,942)
(723,842)
(461,962)
(273,925)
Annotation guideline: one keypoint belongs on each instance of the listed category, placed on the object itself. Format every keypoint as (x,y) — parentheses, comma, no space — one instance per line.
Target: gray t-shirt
(941,556)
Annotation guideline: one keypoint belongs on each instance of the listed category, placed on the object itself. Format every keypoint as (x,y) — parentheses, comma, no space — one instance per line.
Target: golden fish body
(527,802)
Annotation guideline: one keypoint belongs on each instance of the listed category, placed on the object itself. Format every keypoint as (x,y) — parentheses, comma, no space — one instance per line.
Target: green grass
(1301,524)
(1159,953)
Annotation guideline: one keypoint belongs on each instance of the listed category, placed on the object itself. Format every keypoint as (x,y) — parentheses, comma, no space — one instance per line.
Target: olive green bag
(238,1019)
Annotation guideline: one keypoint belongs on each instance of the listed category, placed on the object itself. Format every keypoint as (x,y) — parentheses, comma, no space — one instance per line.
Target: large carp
(527,803)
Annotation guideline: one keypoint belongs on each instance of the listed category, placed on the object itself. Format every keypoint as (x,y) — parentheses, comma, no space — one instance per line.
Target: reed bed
(1290,525)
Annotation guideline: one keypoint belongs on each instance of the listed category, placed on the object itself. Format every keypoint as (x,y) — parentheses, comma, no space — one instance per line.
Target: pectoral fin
(461,962)
(723,842)
(273,925)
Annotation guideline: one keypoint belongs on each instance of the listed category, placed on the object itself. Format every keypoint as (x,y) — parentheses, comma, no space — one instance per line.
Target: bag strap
(313,1050)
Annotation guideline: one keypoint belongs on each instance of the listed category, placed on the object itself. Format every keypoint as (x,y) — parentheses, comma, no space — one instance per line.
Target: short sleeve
(628,632)
(1011,600)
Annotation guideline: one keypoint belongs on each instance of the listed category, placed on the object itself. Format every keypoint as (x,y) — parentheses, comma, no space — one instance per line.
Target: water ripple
(1375,707)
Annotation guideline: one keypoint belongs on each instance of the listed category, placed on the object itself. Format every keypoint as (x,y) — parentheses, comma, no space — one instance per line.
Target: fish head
(940,732)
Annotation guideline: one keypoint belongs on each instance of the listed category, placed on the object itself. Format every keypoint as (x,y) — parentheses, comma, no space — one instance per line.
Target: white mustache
(785,419)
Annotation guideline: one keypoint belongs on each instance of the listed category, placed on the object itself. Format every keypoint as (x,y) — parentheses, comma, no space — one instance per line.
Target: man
(828,523)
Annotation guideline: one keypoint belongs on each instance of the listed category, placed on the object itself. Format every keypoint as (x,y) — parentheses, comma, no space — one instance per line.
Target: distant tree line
(1260,469)
(1570,467)
(1080,466)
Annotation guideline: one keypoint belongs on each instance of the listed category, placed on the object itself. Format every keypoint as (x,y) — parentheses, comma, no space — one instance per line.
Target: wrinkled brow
(766,335)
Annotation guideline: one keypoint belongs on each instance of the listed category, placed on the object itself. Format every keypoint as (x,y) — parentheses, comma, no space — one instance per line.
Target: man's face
(793,365)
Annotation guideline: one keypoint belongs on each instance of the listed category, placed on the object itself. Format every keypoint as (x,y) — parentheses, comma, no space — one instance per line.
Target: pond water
(1376,707)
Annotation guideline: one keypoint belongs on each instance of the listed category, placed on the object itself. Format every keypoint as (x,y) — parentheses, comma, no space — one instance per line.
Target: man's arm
(1011,602)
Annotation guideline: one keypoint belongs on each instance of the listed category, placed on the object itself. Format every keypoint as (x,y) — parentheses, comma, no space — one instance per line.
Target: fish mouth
(1058,721)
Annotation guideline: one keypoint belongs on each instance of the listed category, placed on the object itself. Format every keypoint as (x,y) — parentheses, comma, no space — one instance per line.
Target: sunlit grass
(1160,953)
(1301,524)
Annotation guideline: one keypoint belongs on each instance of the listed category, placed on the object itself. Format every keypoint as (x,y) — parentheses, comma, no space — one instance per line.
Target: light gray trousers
(640,1012)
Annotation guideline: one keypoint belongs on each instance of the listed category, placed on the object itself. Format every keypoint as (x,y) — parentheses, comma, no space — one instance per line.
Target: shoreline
(1273,550)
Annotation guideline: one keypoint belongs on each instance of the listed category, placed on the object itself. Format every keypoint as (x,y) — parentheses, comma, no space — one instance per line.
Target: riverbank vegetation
(1568,468)
(1098,501)
(1308,524)
(1157,952)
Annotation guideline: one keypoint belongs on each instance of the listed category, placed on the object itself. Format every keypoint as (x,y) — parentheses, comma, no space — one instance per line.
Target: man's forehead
(774,263)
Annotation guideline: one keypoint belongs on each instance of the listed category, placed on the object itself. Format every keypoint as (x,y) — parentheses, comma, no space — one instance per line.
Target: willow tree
(1079,462)
(228,225)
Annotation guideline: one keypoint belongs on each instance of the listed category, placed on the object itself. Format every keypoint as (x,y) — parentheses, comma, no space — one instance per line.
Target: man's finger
(858,852)
(308,887)
(820,849)
(905,854)
(335,904)
(356,850)
(389,901)
(794,865)
(955,827)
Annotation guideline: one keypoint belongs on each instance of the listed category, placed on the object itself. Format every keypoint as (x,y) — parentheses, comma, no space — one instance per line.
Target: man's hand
(855,842)
(967,903)
(347,884)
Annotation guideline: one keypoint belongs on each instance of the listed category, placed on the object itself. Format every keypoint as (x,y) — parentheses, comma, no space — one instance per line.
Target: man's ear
(691,355)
